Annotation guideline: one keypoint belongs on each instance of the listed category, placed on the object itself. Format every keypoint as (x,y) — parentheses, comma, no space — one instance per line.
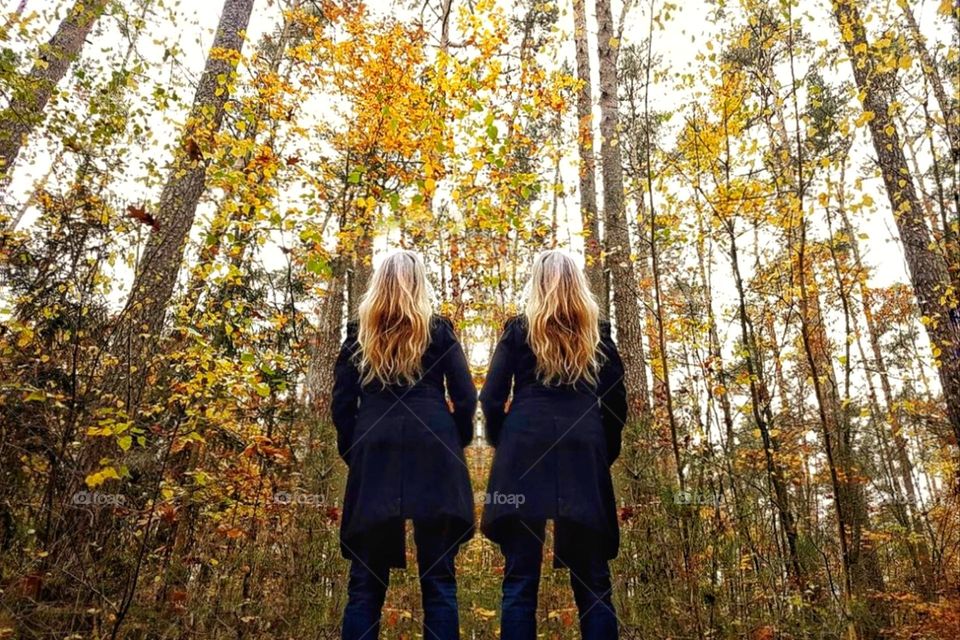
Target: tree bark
(928,269)
(588,171)
(325,345)
(932,73)
(362,268)
(142,319)
(618,261)
(27,104)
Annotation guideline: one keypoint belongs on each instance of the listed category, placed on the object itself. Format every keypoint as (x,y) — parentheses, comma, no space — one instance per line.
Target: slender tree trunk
(588,170)
(362,268)
(760,394)
(325,346)
(928,270)
(645,279)
(618,261)
(763,418)
(142,319)
(932,72)
(27,105)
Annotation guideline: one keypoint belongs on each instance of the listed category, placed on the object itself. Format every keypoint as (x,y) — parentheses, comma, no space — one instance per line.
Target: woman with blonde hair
(403,444)
(555,442)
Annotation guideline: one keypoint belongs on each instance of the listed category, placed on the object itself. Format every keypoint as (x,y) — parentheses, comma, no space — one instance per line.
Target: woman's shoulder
(440,322)
(353,328)
(442,328)
(604,327)
(515,330)
(518,321)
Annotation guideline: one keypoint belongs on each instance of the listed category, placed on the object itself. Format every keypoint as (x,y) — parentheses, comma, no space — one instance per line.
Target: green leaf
(318,266)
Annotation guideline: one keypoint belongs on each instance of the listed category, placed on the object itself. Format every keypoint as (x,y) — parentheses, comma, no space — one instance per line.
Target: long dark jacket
(404,446)
(555,446)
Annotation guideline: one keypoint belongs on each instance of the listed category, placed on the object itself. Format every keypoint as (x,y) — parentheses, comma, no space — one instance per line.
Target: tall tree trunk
(588,171)
(928,269)
(763,418)
(361,267)
(27,105)
(759,391)
(905,507)
(142,319)
(272,49)
(932,72)
(325,346)
(618,261)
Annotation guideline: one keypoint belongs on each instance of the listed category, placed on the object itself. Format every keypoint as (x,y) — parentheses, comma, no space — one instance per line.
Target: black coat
(404,446)
(555,446)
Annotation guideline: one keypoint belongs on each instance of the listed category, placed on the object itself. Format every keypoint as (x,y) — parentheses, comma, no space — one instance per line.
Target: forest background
(765,196)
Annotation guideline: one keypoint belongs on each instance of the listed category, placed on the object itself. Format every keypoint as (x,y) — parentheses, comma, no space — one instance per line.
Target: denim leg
(523,549)
(436,553)
(366,591)
(592,591)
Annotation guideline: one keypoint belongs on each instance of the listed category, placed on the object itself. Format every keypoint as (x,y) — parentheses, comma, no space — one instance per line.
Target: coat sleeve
(346,392)
(497,387)
(612,392)
(460,387)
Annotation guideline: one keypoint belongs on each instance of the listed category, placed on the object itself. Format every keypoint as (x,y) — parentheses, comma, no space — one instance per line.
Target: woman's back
(442,340)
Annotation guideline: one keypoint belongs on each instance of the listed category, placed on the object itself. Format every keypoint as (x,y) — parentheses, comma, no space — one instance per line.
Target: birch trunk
(588,168)
(618,261)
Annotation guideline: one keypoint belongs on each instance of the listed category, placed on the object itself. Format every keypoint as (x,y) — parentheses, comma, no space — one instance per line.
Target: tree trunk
(325,346)
(763,418)
(932,73)
(904,466)
(928,269)
(27,105)
(362,268)
(618,262)
(588,170)
(142,319)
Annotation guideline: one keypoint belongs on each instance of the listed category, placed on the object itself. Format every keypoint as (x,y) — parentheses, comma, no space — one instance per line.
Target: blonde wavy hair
(562,318)
(394,320)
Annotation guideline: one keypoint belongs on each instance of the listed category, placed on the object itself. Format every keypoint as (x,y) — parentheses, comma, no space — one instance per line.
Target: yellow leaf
(98,478)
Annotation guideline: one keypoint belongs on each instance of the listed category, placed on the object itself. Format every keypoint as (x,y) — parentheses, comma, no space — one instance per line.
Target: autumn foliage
(786,224)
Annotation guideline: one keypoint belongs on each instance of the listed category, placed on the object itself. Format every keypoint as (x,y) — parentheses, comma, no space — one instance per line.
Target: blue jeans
(589,577)
(369,577)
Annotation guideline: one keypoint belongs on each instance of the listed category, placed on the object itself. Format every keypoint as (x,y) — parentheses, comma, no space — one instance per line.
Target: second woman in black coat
(403,445)
(555,442)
